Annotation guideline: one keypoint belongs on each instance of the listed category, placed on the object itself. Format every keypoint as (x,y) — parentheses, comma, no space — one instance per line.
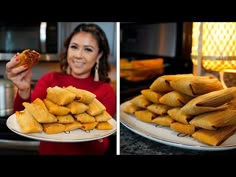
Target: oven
(44,37)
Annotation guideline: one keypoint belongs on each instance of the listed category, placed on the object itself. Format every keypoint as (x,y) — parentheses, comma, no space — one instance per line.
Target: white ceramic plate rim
(71,136)
(167,136)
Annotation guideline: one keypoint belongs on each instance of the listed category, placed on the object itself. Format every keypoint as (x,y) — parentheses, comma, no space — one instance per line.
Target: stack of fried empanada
(64,109)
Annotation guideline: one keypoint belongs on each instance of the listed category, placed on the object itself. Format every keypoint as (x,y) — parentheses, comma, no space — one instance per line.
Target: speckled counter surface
(134,144)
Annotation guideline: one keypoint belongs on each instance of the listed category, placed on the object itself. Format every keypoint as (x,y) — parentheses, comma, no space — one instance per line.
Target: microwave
(43,37)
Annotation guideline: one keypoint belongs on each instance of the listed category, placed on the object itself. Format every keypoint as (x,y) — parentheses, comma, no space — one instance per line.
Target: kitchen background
(16,37)
(158,47)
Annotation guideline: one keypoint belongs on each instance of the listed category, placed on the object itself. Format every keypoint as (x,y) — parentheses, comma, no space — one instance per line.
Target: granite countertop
(134,144)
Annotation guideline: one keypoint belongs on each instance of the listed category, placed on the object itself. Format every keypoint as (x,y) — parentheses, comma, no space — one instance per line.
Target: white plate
(71,136)
(169,137)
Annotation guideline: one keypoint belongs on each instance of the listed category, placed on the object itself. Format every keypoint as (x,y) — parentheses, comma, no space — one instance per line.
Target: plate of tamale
(208,140)
(58,133)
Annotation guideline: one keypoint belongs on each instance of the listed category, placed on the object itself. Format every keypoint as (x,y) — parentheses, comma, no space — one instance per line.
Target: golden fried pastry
(145,115)
(214,137)
(28,57)
(197,85)
(164,120)
(187,129)
(27,123)
(88,126)
(104,116)
(65,119)
(53,128)
(104,126)
(159,108)
(77,107)
(84,118)
(140,101)
(38,111)
(95,107)
(73,126)
(56,109)
(162,83)
(151,95)
(83,96)
(60,96)
(175,99)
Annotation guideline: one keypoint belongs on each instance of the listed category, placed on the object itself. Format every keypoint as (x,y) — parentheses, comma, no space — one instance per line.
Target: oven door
(13,144)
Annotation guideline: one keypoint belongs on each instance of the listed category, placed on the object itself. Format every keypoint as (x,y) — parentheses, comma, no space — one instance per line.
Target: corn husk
(216,119)
(214,137)
(197,85)
(213,101)
(159,108)
(179,115)
(144,115)
(164,120)
(187,129)
(140,101)
(162,83)
(175,99)
(151,95)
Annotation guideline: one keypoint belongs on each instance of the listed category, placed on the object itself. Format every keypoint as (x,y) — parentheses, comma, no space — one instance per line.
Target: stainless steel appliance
(41,36)
(7,93)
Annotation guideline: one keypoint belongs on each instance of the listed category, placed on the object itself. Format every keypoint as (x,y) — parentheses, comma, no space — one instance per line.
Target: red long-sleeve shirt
(104,93)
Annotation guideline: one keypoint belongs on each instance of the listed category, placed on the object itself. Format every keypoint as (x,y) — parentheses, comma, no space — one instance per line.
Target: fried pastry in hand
(29,57)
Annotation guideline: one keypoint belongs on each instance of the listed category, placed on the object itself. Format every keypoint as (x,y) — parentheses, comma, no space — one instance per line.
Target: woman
(84,65)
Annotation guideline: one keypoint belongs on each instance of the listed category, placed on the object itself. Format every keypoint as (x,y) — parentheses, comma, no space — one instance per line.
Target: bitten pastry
(29,57)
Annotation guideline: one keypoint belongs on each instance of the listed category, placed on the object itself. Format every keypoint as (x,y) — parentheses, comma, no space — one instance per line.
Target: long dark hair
(103,45)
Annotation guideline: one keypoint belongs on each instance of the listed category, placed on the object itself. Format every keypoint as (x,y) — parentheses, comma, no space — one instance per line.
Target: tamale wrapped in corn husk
(214,137)
(187,129)
(175,99)
(159,108)
(216,119)
(208,102)
(144,115)
(197,85)
(151,95)
(131,108)
(162,83)
(179,115)
(164,120)
(140,101)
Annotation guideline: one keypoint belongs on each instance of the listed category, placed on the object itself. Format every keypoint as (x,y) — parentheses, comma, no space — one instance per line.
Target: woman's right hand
(21,76)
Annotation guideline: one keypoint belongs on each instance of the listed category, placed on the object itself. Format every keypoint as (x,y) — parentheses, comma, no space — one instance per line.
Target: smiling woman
(84,65)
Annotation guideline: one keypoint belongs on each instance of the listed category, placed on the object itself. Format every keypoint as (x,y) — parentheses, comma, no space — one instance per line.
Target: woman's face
(82,54)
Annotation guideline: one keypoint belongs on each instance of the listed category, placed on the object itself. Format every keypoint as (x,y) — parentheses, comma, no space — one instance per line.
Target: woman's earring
(96,75)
